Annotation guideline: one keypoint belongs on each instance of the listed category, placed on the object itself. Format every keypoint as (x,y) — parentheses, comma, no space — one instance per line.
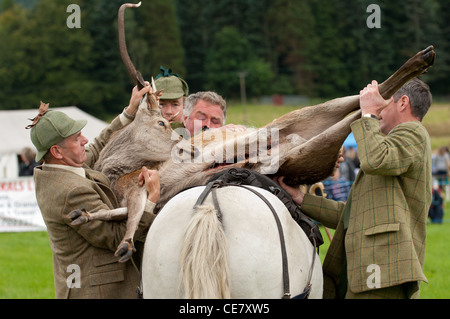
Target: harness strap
(286,283)
(216,204)
(307,290)
(214,185)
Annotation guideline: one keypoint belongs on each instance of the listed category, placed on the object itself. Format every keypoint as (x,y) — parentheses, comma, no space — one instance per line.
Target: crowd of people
(365,195)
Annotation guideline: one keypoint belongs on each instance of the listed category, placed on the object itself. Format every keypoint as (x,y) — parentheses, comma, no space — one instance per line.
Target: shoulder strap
(242,176)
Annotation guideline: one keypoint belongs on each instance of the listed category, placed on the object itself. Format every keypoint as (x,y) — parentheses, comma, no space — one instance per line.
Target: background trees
(310,47)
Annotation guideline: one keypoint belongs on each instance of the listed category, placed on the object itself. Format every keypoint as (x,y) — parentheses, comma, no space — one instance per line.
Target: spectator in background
(353,155)
(336,187)
(441,165)
(436,212)
(347,168)
(27,162)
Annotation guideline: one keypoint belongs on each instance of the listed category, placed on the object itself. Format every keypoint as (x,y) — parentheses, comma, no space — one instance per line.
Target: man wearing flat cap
(174,91)
(84,264)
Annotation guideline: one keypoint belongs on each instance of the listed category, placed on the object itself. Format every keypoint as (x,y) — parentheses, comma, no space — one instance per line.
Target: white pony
(190,253)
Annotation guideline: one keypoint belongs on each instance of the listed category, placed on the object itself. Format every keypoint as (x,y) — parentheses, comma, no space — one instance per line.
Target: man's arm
(325,211)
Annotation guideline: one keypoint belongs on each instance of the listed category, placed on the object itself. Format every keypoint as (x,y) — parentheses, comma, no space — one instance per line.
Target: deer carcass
(305,143)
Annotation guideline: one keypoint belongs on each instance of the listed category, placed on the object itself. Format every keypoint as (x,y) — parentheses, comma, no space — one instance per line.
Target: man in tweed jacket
(84,264)
(378,249)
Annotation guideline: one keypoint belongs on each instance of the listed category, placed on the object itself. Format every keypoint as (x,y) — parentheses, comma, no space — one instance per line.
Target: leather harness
(212,187)
(241,177)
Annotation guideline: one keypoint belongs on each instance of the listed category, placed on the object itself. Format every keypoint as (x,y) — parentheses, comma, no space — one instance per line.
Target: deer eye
(161,123)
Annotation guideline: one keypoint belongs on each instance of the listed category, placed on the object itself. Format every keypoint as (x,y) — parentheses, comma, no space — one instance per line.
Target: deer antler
(135,75)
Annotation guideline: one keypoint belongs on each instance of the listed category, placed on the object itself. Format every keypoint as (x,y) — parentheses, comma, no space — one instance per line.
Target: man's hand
(296,194)
(151,180)
(371,101)
(136,97)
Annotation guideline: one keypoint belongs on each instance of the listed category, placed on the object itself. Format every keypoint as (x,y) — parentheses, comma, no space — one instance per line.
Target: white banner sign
(19,210)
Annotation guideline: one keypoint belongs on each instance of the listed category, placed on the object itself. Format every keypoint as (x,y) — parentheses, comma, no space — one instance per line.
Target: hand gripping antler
(135,75)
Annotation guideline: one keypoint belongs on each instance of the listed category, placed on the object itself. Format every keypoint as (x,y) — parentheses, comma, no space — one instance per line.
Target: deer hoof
(125,250)
(78,217)
(429,55)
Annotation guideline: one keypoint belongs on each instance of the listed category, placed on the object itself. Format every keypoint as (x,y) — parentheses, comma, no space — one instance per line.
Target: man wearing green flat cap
(84,264)
(174,91)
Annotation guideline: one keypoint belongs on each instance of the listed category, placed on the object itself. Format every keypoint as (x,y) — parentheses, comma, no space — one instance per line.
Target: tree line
(314,48)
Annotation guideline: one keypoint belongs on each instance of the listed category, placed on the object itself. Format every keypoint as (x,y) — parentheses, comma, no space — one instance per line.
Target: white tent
(14,137)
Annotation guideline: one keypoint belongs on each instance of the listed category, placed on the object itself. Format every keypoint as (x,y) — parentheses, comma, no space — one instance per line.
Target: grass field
(26,259)
(437,259)
(26,264)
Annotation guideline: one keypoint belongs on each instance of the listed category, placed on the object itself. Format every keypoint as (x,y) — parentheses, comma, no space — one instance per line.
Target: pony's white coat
(252,246)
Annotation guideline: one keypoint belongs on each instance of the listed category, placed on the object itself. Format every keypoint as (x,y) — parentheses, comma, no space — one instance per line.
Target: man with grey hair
(84,262)
(378,249)
(206,110)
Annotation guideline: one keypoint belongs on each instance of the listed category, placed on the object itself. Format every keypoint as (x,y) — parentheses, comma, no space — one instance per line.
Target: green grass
(254,115)
(437,258)
(26,270)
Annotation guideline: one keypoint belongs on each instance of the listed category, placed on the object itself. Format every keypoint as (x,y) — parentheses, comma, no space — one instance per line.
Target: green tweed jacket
(84,264)
(384,220)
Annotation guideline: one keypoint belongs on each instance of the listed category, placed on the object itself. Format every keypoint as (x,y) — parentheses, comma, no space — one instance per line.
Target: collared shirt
(77,170)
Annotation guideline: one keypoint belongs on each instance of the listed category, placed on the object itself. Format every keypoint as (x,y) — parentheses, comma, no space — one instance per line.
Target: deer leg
(81,216)
(412,68)
(315,159)
(136,197)
(311,121)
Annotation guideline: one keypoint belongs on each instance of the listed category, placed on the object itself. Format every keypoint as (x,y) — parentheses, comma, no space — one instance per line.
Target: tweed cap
(51,128)
(173,87)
